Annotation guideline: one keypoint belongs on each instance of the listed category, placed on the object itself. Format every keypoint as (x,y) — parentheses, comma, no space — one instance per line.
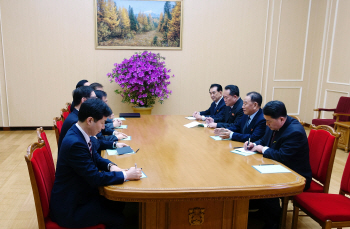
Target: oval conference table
(192,180)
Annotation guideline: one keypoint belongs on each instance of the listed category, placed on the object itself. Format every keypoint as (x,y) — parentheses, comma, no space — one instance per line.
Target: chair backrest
(41,180)
(49,159)
(323,142)
(64,114)
(345,180)
(57,125)
(297,118)
(343,107)
(68,106)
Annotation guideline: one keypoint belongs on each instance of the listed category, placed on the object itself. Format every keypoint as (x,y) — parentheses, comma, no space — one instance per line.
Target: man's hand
(258,148)
(121,145)
(111,116)
(117,123)
(209,120)
(250,147)
(133,174)
(218,131)
(195,113)
(198,116)
(212,125)
(225,133)
(115,168)
(120,135)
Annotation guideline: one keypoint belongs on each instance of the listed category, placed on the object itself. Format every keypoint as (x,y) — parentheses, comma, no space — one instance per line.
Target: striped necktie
(90,147)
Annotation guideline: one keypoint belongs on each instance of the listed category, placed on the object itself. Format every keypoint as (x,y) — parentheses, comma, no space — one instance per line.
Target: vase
(143,110)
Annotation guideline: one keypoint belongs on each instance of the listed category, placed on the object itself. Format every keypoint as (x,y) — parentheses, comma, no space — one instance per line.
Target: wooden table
(344,129)
(193,179)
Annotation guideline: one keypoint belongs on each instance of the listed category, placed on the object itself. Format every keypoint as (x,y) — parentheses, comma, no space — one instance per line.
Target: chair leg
(285,202)
(327,225)
(295,217)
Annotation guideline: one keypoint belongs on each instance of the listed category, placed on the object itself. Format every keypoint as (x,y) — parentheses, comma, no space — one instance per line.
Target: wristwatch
(110,165)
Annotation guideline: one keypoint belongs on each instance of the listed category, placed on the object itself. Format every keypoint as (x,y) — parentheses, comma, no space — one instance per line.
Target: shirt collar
(253,115)
(218,101)
(86,136)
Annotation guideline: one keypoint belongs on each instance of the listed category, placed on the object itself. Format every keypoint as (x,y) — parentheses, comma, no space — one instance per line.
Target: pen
(137,150)
(237,147)
(266,164)
(135,166)
(248,142)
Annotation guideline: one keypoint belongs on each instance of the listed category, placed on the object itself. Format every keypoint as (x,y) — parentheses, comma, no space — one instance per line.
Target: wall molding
(264,53)
(300,93)
(305,47)
(331,51)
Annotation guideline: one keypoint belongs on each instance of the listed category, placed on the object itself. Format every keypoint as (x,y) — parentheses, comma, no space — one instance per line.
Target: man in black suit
(233,111)
(284,141)
(252,125)
(217,106)
(75,199)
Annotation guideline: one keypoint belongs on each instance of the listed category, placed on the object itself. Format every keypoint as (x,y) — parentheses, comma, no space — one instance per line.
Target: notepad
(218,138)
(271,169)
(127,139)
(243,152)
(120,151)
(192,124)
(143,175)
(190,118)
(122,127)
(120,118)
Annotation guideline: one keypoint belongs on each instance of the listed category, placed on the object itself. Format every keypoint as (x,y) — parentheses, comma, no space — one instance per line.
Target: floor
(17,209)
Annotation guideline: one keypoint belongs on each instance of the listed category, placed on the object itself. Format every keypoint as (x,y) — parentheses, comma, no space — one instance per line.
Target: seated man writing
(284,141)
(75,199)
(252,125)
(216,108)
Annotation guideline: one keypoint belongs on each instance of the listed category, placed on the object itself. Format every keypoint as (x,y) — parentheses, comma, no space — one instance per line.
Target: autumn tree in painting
(174,25)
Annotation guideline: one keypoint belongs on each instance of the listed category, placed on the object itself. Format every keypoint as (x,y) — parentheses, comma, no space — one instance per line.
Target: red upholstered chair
(341,113)
(48,154)
(329,210)
(64,114)
(323,142)
(42,183)
(57,125)
(68,105)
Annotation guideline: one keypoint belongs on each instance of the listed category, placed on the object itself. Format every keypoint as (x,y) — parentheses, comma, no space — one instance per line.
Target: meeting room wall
(273,47)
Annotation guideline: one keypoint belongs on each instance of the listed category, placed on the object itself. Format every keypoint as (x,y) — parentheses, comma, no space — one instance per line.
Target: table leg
(240,214)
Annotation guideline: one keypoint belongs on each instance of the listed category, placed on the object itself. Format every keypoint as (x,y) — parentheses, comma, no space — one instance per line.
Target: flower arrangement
(142,78)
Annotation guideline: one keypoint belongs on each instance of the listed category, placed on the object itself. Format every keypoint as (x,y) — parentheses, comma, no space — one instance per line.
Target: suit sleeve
(265,139)
(219,114)
(289,147)
(221,117)
(206,112)
(258,132)
(81,161)
(106,142)
(107,131)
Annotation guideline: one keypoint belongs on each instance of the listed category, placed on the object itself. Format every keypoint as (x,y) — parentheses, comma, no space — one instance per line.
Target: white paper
(192,124)
(218,138)
(243,152)
(271,169)
(191,118)
(122,127)
(120,118)
(114,152)
(126,139)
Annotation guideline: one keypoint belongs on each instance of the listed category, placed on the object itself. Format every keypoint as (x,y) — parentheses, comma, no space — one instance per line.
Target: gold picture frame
(138,24)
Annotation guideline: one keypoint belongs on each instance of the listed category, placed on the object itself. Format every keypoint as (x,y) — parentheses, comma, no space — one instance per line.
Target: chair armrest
(337,115)
(324,109)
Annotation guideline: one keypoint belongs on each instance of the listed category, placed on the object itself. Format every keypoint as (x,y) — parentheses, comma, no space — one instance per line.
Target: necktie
(273,136)
(90,147)
(246,124)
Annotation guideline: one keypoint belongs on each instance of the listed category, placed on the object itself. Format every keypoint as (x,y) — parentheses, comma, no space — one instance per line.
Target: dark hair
(95,85)
(81,83)
(234,90)
(100,94)
(255,97)
(218,86)
(275,109)
(81,92)
(94,108)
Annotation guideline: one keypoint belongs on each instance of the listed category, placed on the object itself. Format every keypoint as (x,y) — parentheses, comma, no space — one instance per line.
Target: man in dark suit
(284,141)
(75,199)
(252,125)
(217,106)
(233,111)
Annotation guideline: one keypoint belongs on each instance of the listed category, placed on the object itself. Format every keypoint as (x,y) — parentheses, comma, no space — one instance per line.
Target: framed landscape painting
(138,24)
